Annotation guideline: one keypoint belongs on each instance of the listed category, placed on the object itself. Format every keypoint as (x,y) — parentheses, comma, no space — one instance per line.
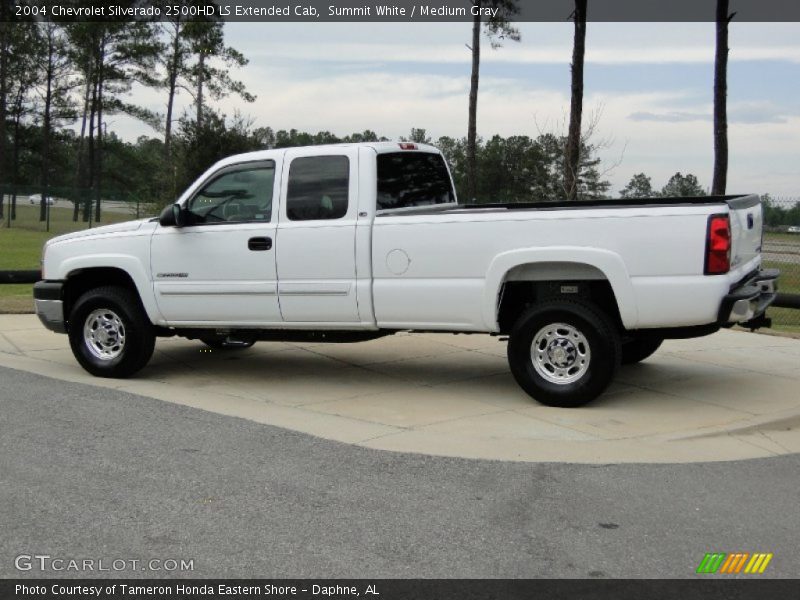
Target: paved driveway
(733,395)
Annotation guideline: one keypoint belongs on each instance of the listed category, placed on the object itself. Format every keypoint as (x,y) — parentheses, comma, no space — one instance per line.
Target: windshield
(407,179)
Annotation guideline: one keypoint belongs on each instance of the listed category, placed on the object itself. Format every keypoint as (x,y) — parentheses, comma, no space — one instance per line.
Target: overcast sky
(650,83)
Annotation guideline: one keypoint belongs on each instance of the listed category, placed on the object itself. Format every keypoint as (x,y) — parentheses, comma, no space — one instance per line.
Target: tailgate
(746,226)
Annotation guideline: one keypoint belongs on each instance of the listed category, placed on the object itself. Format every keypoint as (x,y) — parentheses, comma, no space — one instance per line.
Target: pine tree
(497,28)
(573,146)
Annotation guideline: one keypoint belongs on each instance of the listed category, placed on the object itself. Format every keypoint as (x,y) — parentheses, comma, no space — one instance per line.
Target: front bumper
(48,297)
(749,299)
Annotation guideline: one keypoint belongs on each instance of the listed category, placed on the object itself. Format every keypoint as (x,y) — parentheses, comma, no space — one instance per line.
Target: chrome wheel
(560,353)
(104,334)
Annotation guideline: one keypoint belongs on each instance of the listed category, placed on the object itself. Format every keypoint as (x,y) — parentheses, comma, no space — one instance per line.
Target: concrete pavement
(96,473)
(733,395)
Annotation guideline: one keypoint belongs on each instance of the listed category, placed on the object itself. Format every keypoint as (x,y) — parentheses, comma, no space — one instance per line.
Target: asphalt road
(89,473)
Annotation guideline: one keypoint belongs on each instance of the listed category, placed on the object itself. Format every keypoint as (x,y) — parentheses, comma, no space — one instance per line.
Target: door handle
(259,244)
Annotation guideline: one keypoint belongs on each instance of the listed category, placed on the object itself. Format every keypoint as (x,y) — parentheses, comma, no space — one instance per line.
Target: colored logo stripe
(758,564)
(733,563)
(711,562)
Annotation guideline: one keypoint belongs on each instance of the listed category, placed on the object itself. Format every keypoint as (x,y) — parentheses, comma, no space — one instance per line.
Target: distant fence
(68,209)
(781,250)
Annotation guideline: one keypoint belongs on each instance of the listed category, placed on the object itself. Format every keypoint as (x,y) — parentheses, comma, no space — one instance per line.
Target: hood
(98,231)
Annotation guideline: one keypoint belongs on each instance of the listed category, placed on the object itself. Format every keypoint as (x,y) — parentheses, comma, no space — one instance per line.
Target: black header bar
(422,11)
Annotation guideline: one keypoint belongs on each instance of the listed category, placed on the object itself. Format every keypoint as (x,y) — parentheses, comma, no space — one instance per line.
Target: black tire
(228,343)
(137,332)
(592,375)
(639,348)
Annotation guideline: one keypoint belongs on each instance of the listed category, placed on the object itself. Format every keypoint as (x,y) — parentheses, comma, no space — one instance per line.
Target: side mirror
(172,216)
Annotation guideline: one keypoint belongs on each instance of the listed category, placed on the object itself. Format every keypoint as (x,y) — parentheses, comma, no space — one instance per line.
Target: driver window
(243,194)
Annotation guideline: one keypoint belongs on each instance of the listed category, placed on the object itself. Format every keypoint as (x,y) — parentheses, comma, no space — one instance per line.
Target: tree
(521,169)
(640,186)
(720,180)
(454,152)
(573,146)
(5,30)
(127,165)
(497,28)
(776,216)
(417,135)
(23,77)
(55,86)
(80,53)
(173,58)
(685,186)
(216,137)
(114,56)
(207,40)
(365,136)
(186,40)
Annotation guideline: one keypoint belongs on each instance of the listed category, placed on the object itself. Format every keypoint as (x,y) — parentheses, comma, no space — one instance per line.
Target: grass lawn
(786,319)
(789,281)
(21,245)
(21,248)
(61,218)
(16,298)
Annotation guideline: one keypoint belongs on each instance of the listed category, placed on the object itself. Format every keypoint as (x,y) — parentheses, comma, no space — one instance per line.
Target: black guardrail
(20,276)
(787,301)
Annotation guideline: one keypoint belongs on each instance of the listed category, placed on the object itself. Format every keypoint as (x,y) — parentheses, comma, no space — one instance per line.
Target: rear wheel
(639,348)
(109,333)
(564,353)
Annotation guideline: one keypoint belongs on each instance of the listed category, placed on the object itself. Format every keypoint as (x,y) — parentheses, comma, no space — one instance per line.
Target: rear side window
(407,179)
(318,187)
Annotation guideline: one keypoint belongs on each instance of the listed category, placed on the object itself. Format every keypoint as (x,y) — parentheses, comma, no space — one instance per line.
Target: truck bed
(735,202)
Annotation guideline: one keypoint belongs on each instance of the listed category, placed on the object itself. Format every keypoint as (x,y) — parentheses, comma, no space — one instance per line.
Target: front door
(220,268)
(316,245)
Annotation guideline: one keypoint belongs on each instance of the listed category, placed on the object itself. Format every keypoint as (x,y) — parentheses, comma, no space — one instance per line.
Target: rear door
(316,238)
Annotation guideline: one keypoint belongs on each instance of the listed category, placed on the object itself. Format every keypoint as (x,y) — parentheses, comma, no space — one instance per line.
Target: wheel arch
(603,272)
(80,279)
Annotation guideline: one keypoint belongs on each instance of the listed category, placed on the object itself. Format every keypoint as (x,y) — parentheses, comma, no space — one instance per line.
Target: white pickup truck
(351,242)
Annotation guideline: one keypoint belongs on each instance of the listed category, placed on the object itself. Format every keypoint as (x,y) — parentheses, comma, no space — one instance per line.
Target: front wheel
(109,332)
(564,353)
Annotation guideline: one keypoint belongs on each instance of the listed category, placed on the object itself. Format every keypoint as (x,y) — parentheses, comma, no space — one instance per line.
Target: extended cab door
(316,239)
(220,267)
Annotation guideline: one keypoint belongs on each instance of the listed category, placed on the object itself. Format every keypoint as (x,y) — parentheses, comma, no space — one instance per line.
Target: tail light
(407,146)
(718,245)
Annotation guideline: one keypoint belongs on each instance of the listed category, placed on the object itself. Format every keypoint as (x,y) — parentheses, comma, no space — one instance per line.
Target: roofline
(378,147)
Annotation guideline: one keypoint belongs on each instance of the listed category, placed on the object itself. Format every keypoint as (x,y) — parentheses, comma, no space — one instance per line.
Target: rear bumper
(748,300)
(49,301)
